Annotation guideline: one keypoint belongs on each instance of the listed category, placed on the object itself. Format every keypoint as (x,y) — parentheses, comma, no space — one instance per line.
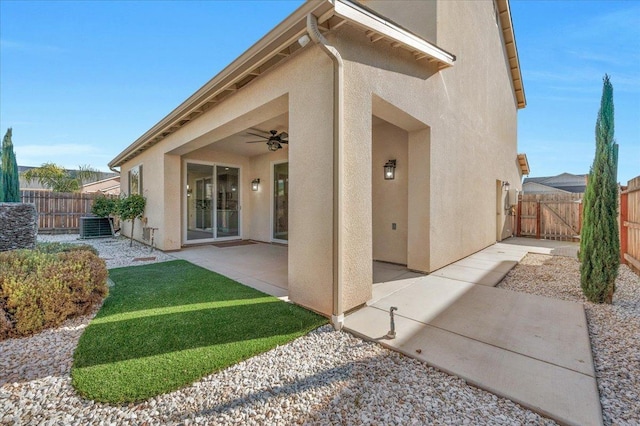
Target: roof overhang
(275,47)
(523,162)
(508,35)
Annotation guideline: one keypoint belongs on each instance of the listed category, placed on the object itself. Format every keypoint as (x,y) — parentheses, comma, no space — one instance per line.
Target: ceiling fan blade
(281,141)
(260,136)
(256,142)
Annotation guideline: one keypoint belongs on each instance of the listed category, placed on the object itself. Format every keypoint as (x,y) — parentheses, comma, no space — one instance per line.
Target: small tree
(9,179)
(59,179)
(104,206)
(599,243)
(131,208)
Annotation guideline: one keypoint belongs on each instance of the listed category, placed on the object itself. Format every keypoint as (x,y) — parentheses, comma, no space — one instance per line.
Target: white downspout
(337,317)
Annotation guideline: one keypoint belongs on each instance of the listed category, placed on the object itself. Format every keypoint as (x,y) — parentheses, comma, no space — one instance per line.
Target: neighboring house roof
(282,41)
(539,188)
(565,182)
(106,186)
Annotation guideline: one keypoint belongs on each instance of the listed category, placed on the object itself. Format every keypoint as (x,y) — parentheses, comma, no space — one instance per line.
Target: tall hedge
(599,243)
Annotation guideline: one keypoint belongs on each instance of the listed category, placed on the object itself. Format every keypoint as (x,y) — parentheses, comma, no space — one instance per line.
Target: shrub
(104,206)
(40,290)
(65,248)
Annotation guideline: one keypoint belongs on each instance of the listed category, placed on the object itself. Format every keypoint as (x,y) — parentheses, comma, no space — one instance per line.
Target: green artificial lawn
(166,325)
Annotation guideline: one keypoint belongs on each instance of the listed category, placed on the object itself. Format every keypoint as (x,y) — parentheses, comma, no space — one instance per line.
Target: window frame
(135,171)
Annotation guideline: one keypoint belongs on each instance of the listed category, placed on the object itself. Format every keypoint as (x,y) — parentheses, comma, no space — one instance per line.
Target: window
(135,180)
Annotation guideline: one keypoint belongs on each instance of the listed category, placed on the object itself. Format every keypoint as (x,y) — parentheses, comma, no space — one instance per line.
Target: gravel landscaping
(614,329)
(115,251)
(325,377)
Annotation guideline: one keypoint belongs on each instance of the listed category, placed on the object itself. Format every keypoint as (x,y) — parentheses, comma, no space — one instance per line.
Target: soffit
(275,47)
(508,34)
(523,162)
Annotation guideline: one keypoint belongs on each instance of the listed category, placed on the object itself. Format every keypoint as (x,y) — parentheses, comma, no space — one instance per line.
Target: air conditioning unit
(512,197)
(96,227)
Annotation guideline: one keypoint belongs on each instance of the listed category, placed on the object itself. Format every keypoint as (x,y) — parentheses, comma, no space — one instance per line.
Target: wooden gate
(550,216)
(630,224)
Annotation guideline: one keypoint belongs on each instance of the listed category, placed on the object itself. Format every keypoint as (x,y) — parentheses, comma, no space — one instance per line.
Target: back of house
(352,132)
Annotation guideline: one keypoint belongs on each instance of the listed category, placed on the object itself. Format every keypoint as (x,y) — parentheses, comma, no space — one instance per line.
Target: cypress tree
(1,180)
(9,172)
(599,243)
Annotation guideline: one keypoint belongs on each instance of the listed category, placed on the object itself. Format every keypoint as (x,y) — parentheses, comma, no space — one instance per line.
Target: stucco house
(383,130)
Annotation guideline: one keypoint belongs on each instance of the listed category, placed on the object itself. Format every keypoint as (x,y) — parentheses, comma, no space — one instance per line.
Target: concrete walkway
(530,349)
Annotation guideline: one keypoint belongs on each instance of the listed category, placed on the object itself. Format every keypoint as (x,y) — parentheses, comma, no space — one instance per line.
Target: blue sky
(81,80)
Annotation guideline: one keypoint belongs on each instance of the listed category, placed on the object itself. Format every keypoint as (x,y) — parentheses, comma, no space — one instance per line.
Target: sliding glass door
(212,202)
(281,202)
(227,212)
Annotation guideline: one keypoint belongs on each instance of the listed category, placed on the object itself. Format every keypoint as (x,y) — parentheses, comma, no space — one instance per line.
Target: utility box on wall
(512,198)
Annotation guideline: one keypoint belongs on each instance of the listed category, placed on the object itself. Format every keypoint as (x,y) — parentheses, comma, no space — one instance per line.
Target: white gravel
(115,251)
(325,377)
(614,329)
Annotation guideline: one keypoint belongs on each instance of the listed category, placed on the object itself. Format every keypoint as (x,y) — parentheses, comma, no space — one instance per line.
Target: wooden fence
(550,216)
(58,212)
(630,224)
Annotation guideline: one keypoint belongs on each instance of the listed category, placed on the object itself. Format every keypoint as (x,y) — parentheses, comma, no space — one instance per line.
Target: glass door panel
(227,205)
(281,201)
(199,202)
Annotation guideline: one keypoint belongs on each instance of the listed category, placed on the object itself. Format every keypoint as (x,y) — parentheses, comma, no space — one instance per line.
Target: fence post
(624,233)
(538,220)
(519,220)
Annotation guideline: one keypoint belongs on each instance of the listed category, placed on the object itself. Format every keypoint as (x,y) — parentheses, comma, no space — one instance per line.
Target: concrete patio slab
(485,277)
(530,349)
(261,266)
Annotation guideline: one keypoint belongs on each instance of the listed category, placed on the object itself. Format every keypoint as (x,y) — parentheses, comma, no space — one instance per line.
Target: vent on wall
(96,227)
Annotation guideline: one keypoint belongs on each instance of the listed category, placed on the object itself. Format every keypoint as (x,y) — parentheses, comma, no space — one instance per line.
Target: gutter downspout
(337,317)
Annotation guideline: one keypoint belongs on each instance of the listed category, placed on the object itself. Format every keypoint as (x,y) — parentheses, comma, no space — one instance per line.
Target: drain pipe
(337,317)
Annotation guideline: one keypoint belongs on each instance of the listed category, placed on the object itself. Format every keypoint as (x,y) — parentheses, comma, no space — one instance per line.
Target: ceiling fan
(275,141)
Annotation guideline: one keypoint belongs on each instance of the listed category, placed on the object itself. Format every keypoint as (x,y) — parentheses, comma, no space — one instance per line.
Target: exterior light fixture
(506,185)
(255,184)
(304,40)
(390,170)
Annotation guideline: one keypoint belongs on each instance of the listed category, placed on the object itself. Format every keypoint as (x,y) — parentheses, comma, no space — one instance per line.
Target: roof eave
(378,28)
(523,162)
(504,12)
(290,28)
(330,14)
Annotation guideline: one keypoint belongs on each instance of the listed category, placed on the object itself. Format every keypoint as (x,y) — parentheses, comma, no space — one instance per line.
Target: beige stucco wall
(417,16)
(260,207)
(470,112)
(389,197)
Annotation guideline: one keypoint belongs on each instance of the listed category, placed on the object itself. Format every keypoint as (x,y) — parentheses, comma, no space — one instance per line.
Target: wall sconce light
(255,184)
(506,185)
(390,170)
(189,191)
